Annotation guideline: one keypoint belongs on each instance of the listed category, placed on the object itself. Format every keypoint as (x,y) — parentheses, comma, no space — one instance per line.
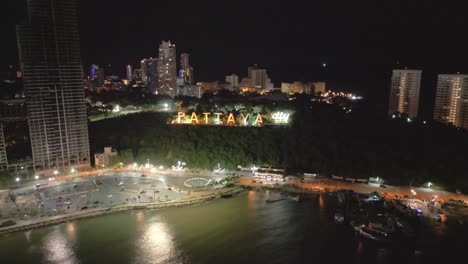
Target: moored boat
(374,235)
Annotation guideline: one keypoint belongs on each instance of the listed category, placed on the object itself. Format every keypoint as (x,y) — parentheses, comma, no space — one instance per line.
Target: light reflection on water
(155,243)
(58,248)
(244,229)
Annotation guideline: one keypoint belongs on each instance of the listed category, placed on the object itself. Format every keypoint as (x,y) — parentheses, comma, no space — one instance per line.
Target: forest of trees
(322,139)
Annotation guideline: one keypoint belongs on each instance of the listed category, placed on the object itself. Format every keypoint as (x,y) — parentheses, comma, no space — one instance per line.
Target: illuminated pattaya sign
(219,119)
(231,119)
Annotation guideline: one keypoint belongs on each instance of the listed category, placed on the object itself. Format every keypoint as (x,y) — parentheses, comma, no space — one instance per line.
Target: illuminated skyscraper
(167,69)
(451,105)
(143,70)
(129,73)
(186,71)
(50,58)
(404,92)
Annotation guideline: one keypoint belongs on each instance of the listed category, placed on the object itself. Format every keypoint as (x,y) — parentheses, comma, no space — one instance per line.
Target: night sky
(360,41)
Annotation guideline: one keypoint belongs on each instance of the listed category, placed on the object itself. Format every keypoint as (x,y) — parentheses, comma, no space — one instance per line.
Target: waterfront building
(451,105)
(167,69)
(404,92)
(49,52)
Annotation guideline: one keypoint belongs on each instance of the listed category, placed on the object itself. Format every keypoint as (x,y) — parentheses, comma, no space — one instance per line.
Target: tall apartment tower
(233,81)
(186,72)
(167,69)
(451,105)
(49,52)
(3,154)
(144,70)
(404,92)
(129,72)
(258,77)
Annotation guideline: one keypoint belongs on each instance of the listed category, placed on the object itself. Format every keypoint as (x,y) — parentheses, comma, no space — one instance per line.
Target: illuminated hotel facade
(404,92)
(451,106)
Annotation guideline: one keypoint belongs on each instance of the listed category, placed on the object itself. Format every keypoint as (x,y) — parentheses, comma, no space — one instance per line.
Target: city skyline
(333,37)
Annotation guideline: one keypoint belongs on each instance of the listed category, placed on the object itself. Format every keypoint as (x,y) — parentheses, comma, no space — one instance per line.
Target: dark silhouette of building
(49,50)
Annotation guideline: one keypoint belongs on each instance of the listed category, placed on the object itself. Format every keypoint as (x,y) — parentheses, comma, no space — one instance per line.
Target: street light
(36,177)
(17,179)
(55,172)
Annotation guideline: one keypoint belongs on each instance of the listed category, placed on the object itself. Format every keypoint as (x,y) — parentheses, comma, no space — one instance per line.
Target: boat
(275,200)
(356,224)
(374,235)
(404,228)
(339,218)
(294,198)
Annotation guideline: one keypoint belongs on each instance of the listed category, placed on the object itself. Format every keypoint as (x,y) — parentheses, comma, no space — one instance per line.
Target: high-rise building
(451,105)
(404,92)
(144,70)
(129,73)
(186,71)
(167,69)
(49,52)
(258,77)
(150,74)
(93,72)
(3,154)
(233,81)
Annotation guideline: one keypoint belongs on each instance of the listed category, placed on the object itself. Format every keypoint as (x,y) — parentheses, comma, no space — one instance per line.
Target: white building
(404,92)
(129,73)
(233,81)
(451,104)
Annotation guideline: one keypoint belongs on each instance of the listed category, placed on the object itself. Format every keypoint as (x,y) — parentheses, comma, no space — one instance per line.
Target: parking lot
(52,197)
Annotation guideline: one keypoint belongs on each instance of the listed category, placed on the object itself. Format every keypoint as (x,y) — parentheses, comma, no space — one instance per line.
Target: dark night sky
(361,41)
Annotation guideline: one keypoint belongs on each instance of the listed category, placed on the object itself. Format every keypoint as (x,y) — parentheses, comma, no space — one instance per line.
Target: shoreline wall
(93,212)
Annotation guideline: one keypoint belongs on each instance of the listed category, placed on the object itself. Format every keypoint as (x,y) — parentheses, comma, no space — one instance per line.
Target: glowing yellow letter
(179,116)
(206,118)
(219,117)
(231,119)
(245,118)
(258,120)
(194,118)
